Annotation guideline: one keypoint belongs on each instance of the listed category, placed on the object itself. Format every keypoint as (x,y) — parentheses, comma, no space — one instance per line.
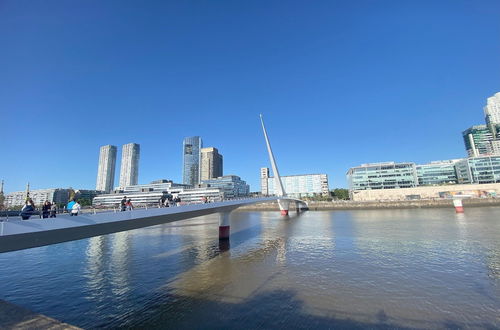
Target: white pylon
(279,190)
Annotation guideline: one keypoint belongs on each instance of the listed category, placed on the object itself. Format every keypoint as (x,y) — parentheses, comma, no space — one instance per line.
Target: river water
(418,268)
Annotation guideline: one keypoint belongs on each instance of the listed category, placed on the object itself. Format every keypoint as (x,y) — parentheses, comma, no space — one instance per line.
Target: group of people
(126,204)
(49,210)
(169,201)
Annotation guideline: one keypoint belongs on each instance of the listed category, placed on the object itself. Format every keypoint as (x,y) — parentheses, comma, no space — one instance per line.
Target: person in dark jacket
(28,209)
(46,209)
(123,203)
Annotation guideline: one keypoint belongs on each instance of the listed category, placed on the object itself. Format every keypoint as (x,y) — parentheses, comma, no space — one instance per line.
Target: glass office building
(485,169)
(478,140)
(231,185)
(388,175)
(191,160)
(437,173)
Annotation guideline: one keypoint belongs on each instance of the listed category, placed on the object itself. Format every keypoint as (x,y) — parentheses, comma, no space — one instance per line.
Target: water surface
(427,268)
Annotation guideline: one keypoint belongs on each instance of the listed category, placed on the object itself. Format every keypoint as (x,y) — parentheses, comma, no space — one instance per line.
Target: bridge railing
(37,214)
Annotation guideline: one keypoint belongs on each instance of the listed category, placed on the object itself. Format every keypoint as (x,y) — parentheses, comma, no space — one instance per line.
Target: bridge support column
(284,204)
(224,225)
(297,207)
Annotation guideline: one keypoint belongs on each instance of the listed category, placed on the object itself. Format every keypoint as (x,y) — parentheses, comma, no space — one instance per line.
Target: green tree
(340,193)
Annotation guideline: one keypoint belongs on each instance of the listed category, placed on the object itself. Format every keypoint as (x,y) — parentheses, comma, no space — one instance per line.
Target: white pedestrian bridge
(17,234)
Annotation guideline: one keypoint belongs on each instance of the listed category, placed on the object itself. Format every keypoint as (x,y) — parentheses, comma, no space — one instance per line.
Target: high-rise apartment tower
(191,160)
(211,164)
(106,168)
(129,170)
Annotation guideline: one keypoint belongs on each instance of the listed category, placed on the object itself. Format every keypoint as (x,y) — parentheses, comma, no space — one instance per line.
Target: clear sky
(340,83)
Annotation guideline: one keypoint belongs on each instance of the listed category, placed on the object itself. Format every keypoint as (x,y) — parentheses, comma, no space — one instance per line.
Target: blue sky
(340,83)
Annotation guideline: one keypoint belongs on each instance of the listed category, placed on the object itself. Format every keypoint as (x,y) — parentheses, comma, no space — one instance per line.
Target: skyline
(339,85)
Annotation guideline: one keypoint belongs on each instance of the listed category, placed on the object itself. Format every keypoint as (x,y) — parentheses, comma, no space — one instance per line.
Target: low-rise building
(297,186)
(232,185)
(472,171)
(388,175)
(437,172)
(39,196)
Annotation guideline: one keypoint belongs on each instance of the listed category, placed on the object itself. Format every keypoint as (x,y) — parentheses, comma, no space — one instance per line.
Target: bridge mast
(278,184)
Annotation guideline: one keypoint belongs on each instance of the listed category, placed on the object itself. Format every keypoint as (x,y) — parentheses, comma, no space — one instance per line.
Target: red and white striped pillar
(284,204)
(459,208)
(224,225)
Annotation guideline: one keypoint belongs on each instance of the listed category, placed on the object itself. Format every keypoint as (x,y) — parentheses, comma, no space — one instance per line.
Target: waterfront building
(296,186)
(478,140)
(463,172)
(231,185)
(129,170)
(137,198)
(485,169)
(264,176)
(211,164)
(39,196)
(191,160)
(387,175)
(151,198)
(437,172)
(165,185)
(106,168)
(427,192)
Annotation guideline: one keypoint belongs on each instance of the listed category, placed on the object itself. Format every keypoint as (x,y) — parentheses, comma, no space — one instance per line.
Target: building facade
(437,173)
(388,175)
(191,160)
(106,168)
(129,169)
(264,176)
(231,185)
(211,164)
(485,169)
(39,196)
(478,140)
(297,186)
(492,110)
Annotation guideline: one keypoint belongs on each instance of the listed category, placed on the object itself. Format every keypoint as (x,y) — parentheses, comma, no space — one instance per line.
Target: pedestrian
(160,202)
(129,205)
(46,209)
(69,207)
(53,210)
(75,209)
(123,203)
(27,210)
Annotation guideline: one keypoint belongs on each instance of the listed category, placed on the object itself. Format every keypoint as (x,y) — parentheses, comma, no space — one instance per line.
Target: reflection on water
(428,268)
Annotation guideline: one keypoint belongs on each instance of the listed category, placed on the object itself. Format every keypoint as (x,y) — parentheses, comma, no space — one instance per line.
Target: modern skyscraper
(478,140)
(492,109)
(211,164)
(106,168)
(191,162)
(129,170)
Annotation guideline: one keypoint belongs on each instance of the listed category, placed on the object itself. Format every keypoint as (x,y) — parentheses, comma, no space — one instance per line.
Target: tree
(340,193)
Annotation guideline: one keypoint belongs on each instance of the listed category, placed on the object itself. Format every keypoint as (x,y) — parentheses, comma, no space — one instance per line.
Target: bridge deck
(23,234)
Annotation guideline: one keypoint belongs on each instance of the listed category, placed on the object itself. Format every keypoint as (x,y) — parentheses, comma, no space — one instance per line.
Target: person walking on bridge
(75,209)
(46,209)
(123,204)
(53,210)
(129,205)
(69,207)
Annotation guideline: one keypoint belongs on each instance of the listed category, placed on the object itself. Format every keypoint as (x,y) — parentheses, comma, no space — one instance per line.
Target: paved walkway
(19,318)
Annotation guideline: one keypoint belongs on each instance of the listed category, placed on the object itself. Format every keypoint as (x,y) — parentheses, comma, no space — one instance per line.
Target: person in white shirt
(75,209)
